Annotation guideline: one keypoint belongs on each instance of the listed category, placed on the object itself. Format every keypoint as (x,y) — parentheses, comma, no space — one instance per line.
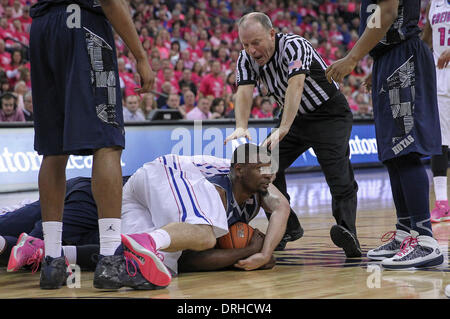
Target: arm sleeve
(245,73)
(298,55)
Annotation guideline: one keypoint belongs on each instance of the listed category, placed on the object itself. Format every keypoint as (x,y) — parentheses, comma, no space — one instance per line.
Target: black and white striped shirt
(293,55)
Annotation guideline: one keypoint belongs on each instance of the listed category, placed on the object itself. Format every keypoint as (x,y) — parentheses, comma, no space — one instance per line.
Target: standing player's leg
(407,128)
(107,192)
(439,165)
(403,226)
(52,189)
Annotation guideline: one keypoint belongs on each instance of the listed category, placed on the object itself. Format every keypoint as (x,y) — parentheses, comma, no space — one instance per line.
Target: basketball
(239,236)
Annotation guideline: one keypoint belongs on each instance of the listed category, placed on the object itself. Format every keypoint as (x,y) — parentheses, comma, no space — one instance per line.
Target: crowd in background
(193,47)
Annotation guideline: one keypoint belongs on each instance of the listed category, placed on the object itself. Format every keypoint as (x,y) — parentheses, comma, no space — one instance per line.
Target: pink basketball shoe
(28,251)
(440,212)
(141,249)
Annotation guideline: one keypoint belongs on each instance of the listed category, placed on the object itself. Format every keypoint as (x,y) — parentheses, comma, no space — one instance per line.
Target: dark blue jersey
(79,188)
(404,27)
(42,6)
(235,213)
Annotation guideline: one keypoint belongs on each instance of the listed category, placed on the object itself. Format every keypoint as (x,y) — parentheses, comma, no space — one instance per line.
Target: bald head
(255,17)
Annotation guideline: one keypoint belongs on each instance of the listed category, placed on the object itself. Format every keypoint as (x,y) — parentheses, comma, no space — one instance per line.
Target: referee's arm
(292,100)
(242,109)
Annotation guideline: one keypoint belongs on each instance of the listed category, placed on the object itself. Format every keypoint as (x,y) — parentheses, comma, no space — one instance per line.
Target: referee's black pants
(327,130)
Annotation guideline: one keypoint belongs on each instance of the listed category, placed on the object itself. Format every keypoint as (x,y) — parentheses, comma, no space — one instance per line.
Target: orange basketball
(239,236)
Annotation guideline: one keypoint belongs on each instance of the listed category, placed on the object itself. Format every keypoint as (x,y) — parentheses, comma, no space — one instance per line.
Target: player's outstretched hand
(146,74)
(238,133)
(444,59)
(270,264)
(253,262)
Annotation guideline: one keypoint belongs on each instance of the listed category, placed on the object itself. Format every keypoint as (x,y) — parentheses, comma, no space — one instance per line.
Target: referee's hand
(275,137)
(238,133)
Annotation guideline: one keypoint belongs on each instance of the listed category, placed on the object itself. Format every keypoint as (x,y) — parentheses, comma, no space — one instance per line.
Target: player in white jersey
(167,199)
(437,36)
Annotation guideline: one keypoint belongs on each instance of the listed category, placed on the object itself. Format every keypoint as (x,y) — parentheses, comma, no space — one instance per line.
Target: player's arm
(427,33)
(118,14)
(215,258)
(386,13)
(278,206)
(244,100)
(444,59)
(293,95)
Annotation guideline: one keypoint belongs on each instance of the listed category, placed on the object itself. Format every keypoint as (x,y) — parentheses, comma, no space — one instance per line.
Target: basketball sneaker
(54,272)
(113,272)
(393,240)
(440,211)
(416,251)
(27,251)
(343,238)
(141,249)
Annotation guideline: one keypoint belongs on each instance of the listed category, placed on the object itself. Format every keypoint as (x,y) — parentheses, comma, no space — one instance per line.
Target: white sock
(71,254)
(440,187)
(161,238)
(2,244)
(109,230)
(52,238)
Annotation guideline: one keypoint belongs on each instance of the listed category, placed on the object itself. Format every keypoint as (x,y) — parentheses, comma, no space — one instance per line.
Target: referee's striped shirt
(293,55)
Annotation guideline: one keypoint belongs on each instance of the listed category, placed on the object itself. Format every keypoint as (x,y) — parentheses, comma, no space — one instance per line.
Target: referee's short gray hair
(260,17)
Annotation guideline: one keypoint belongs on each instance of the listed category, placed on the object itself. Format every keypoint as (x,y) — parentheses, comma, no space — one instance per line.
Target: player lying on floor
(167,200)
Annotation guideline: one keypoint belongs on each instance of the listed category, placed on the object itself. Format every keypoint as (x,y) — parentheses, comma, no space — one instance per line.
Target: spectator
(9,111)
(212,84)
(19,91)
(148,104)
(218,108)
(265,111)
(25,19)
(189,101)
(5,56)
(197,73)
(4,86)
(186,79)
(173,103)
(166,89)
(28,107)
(12,70)
(201,111)
(131,111)
(169,76)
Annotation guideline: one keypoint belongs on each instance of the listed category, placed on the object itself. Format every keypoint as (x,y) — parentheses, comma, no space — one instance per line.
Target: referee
(314,114)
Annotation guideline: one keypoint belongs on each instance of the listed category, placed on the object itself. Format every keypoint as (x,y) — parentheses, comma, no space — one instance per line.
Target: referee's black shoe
(293,235)
(343,238)
(293,231)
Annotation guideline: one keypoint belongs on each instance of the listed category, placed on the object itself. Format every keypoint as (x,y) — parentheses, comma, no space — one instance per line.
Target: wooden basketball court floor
(311,267)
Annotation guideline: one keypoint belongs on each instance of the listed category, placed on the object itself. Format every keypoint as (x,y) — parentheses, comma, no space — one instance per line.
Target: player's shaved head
(250,154)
